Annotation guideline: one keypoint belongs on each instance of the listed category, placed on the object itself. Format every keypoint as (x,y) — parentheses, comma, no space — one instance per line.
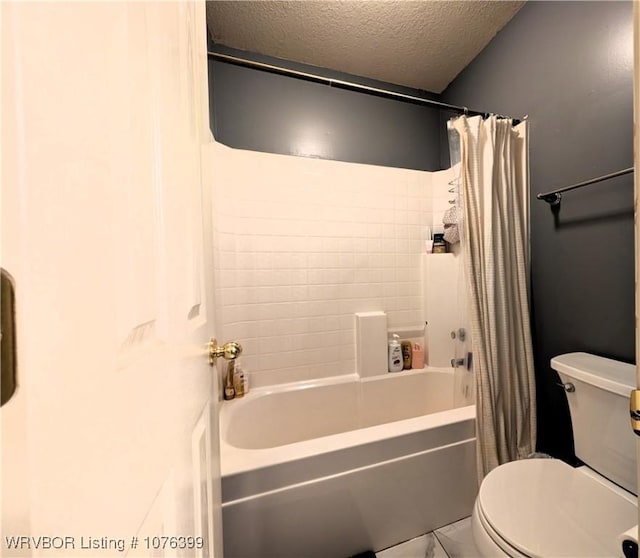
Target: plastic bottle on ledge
(238,381)
(418,356)
(407,351)
(395,354)
(229,389)
(245,385)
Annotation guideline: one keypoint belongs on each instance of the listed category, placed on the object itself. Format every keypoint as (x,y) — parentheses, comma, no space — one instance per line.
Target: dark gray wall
(252,109)
(569,66)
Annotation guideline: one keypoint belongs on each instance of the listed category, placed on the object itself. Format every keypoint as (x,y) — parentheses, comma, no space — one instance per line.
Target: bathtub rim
(234,460)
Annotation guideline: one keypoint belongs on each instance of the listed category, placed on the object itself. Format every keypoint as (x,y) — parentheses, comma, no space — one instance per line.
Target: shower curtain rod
(342,84)
(554,197)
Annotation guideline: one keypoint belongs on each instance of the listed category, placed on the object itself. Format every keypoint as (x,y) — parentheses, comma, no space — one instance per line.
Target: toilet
(544,507)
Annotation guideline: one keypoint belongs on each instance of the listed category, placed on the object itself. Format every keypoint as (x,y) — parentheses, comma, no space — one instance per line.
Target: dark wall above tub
(569,66)
(255,110)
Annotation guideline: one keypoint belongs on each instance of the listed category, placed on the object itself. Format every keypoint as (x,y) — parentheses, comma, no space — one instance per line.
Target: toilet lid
(544,507)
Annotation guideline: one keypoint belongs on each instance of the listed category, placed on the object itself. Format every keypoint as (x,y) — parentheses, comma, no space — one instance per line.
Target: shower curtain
(495,227)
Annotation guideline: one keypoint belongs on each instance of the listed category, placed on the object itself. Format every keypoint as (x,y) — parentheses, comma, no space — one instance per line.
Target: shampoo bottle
(229,390)
(406,354)
(395,354)
(238,381)
(418,356)
(245,387)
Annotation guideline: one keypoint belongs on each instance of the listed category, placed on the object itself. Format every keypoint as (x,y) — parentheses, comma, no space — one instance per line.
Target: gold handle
(228,351)
(634,410)
(8,360)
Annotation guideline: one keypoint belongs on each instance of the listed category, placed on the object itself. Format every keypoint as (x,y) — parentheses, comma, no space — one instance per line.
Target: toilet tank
(599,408)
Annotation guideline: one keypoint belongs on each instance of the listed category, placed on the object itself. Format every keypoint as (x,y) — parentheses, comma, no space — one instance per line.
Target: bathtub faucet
(228,351)
(466,362)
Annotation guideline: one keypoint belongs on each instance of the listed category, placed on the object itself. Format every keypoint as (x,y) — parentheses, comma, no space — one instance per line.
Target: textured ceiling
(422,44)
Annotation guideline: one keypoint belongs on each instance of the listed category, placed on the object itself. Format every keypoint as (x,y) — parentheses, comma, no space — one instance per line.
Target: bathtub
(335,467)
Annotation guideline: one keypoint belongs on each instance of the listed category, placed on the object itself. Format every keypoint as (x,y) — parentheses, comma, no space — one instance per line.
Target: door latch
(634,411)
(8,360)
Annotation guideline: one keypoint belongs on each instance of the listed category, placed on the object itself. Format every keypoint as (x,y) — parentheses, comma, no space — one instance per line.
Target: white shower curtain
(495,239)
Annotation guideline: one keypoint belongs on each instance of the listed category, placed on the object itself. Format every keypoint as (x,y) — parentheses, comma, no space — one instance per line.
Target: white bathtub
(340,466)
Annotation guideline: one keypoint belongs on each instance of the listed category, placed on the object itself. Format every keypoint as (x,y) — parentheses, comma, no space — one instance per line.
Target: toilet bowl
(546,508)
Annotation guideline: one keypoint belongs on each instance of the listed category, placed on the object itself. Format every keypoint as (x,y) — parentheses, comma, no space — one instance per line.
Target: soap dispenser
(395,354)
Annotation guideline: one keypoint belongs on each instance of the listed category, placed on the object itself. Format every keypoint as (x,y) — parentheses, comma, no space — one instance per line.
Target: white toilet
(544,507)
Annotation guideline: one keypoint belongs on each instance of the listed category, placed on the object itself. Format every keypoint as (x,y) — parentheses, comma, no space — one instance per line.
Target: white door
(109,446)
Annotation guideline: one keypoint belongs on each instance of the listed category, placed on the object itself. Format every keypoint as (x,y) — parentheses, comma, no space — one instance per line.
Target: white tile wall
(302,244)
(441,306)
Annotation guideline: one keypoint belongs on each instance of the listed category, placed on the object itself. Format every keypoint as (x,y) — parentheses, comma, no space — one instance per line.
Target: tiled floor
(451,541)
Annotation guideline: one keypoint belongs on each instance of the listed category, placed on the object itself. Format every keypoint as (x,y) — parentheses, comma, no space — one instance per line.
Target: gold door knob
(228,351)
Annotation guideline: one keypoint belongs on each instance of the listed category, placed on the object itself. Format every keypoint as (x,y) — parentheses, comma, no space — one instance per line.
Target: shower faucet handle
(228,351)
(461,334)
(465,361)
